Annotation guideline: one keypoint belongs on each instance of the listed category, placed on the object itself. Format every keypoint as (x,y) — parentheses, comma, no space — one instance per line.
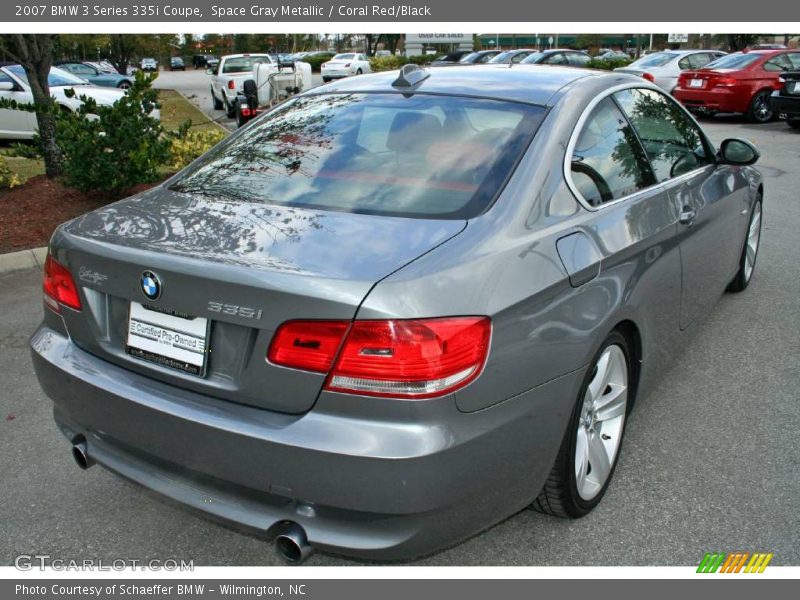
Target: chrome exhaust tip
(292,545)
(80,453)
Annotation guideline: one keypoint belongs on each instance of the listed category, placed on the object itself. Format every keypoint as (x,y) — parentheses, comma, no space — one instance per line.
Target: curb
(209,117)
(24,259)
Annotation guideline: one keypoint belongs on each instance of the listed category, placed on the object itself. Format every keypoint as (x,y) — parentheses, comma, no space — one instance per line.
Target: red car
(737,83)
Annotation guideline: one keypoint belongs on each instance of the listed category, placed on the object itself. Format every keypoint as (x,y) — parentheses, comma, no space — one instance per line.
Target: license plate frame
(696,83)
(164,338)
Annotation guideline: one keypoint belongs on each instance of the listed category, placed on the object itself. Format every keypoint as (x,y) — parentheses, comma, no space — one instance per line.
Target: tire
(565,493)
(752,241)
(215,103)
(124,85)
(760,111)
(793,123)
(359,72)
(240,120)
(326,79)
(230,109)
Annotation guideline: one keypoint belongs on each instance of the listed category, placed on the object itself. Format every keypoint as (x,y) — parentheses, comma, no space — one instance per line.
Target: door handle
(687,215)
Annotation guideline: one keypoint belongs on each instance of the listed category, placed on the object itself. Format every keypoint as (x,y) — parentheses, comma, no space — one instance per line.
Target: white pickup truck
(229,75)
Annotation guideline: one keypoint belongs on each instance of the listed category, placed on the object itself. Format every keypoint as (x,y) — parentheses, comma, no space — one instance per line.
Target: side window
(608,162)
(7,79)
(578,59)
(672,141)
(556,59)
(794,59)
(779,63)
(701,60)
(519,56)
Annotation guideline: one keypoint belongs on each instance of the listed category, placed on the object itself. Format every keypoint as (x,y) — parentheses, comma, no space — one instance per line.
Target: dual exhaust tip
(291,542)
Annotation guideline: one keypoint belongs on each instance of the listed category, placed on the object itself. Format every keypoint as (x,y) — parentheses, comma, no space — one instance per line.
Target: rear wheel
(590,448)
(124,85)
(760,110)
(359,72)
(326,79)
(214,102)
(747,262)
(230,109)
(793,123)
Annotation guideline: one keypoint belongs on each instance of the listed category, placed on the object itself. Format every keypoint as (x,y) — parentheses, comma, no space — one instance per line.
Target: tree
(122,52)
(740,41)
(34,52)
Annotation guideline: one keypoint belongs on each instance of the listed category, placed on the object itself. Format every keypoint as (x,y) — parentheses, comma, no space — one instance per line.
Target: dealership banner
(376,11)
(399,589)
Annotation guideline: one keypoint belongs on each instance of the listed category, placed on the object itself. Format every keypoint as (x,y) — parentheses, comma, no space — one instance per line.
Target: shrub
(189,145)
(386,63)
(113,148)
(316,62)
(608,65)
(8,179)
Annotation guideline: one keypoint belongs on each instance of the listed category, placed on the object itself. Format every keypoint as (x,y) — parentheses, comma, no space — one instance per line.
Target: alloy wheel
(753,239)
(601,422)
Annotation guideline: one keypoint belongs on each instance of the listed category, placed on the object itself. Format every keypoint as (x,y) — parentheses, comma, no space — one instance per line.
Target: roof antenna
(410,75)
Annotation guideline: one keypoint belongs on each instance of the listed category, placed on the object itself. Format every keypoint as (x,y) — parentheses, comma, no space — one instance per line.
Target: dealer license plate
(696,83)
(173,341)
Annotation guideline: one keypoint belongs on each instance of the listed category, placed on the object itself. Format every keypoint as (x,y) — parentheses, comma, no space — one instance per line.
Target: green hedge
(391,63)
(316,62)
(608,65)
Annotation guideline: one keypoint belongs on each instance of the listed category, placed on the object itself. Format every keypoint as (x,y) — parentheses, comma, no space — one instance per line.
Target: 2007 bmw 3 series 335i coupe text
(396,309)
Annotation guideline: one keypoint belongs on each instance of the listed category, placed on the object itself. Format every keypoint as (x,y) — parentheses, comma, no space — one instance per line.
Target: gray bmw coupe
(398,308)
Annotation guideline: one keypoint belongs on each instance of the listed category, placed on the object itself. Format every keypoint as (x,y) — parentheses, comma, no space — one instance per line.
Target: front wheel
(590,448)
(793,123)
(124,85)
(747,262)
(760,110)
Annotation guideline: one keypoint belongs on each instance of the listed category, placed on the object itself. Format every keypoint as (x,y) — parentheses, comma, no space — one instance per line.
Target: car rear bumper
(384,488)
(716,100)
(336,74)
(788,105)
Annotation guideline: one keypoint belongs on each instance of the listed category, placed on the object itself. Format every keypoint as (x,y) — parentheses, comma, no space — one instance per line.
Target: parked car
(478,58)
(93,75)
(511,56)
(22,125)
(104,66)
(741,82)
(345,65)
(663,68)
(451,58)
(786,99)
(383,53)
(229,75)
(148,64)
(392,368)
(176,64)
(614,55)
(558,56)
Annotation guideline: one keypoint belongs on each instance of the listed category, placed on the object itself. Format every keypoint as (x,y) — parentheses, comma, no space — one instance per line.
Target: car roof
(532,84)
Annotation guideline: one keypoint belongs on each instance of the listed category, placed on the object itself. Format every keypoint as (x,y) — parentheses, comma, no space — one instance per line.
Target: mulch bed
(29,213)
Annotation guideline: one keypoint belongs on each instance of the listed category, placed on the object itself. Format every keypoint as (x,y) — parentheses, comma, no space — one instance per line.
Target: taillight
(648,76)
(58,286)
(724,81)
(779,83)
(417,358)
(231,84)
(399,358)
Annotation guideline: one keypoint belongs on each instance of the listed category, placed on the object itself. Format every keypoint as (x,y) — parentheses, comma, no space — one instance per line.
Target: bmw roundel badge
(151,285)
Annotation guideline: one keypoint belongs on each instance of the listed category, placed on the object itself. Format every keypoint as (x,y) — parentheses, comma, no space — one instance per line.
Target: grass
(175,110)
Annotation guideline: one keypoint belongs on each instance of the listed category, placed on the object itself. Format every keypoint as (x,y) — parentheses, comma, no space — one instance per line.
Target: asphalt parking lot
(710,461)
(195,85)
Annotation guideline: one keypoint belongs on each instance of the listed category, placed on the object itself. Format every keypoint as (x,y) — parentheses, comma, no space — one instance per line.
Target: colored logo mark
(735,562)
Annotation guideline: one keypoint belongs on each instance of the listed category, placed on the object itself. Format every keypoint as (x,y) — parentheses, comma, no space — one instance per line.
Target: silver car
(397,309)
(664,68)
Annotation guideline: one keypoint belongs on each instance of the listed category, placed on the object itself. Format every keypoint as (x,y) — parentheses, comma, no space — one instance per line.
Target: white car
(663,68)
(345,65)
(21,125)
(228,76)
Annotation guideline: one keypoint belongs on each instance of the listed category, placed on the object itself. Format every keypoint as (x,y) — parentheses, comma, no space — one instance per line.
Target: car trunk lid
(245,267)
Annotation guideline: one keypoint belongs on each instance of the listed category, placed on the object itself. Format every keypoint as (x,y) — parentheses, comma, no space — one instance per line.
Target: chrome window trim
(573,140)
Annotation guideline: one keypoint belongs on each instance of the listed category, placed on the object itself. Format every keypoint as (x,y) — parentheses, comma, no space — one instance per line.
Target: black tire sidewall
(579,506)
(753,107)
(740,282)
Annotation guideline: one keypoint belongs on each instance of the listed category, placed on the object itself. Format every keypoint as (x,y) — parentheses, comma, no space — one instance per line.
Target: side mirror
(735,151)
(6,86)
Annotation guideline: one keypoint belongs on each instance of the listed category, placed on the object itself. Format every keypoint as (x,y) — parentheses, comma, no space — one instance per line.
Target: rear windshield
(733,61)
(654,60)
(427,156)
(242,64)
(344,57)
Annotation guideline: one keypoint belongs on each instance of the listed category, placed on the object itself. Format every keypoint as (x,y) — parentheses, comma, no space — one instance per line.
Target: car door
(557,58)
(15,124)
(710,200)
(83,71)
(578,59)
